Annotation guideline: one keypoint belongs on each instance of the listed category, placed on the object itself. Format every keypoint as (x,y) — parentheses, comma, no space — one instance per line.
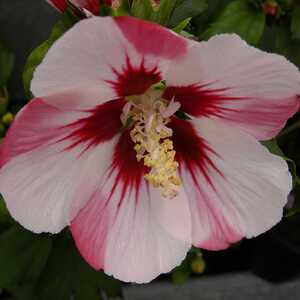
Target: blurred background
(47,267)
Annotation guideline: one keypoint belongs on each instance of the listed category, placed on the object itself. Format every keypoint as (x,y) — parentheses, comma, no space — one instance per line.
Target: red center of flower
(101,124)
(134,80)
(158,140)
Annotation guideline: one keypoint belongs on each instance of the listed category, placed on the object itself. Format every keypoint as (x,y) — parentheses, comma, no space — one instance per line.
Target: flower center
(149,114)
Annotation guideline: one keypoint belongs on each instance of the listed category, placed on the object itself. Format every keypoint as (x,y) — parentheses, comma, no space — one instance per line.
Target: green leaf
(275,149)
(182,115)
(142,9)
(3,100)
(267,41)
(23,292)
(296,205)
(202,21)
(160,86)
(180,276)
(22,256)
(128,123)
(186,9)
(163,14)
(56,280)
(36,57)
(182,273)
(91,281)
(182,25)
(239,17)
(295,25)
(7,61)
(66,275)
(4,215)
(285,45)
(123,10)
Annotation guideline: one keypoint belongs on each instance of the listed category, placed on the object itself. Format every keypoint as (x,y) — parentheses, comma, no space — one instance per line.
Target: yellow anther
(137,147)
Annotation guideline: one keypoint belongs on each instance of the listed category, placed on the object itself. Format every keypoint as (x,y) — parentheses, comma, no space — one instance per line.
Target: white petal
(254,90)
(134,236)
(243,190)
(93,53)
(46,176)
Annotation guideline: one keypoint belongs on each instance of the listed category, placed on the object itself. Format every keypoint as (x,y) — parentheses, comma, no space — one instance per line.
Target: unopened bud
(115,4)
(155,4)
(270,8)
(198,265)
(8,118)
(180,276)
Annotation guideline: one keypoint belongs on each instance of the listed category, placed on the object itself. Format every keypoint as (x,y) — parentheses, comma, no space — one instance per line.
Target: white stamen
(150,114)
(171,109)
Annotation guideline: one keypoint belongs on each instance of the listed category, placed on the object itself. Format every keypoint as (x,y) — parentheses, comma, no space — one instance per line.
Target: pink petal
(235,186)
(127,229)
(81,60)
(198,101)
(52,161)
(24,135)
(230,80)
(152,39)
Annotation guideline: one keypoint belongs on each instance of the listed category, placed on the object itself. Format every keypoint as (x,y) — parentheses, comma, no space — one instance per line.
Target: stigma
(148,115)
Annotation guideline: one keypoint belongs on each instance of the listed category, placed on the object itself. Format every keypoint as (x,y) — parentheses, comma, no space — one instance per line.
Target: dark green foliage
(49,267)
(295,26)
(187,9)
(7,61)
(36,57)
(238,17)
(34,267)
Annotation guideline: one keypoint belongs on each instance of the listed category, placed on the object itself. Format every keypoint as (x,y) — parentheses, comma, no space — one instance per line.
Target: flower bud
(155,4)
(115,4)
(198,265)
(270,8)
(180,276)
(8,118)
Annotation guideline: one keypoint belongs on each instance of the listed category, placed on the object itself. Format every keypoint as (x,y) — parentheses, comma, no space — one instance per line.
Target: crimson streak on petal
(134,80)
(197,100)
(192,150)
(91,226)
(101,124)
(129,171)
(90,229)
(195,157)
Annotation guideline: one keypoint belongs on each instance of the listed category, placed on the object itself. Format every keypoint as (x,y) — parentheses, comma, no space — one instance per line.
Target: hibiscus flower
(146,143)
(92,6)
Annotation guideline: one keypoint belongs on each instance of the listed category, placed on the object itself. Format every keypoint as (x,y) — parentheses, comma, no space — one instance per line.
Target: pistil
(150,114)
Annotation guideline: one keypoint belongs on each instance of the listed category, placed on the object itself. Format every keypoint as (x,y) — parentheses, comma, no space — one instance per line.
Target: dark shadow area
(24,24)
